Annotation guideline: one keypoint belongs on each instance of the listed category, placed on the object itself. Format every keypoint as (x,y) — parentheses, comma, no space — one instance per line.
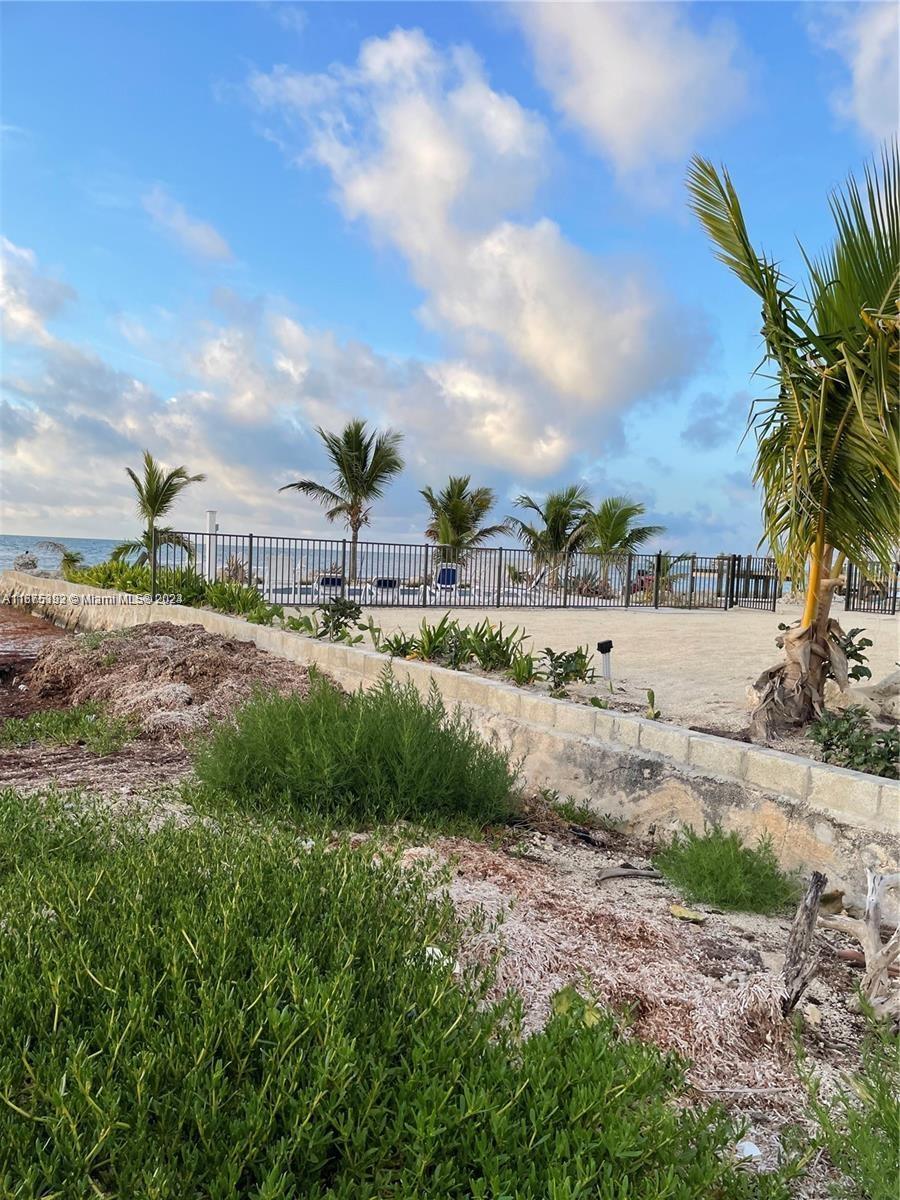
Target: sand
(698,663)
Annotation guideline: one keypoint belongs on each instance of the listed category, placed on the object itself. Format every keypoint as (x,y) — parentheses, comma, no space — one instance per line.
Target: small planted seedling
(652,713)
(523,670)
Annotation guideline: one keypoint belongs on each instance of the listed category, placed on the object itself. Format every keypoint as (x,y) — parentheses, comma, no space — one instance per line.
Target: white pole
(212,528)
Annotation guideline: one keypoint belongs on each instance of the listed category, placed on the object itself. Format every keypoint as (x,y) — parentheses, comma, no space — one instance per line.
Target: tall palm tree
(828,444)
(562,529)
(156,490)
(458,513)
(362,466)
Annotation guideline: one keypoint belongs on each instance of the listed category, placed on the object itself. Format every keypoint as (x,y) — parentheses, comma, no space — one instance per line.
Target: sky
(226,224)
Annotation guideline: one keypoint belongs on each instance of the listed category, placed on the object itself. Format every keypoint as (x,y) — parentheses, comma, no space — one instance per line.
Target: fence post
(343,567)
(566,583)
(211,528)
(656,571)
(153,562)
(628,580)
(250,560)
(729,583)
(894,589)
(691,585)
(499,575)
(848,588)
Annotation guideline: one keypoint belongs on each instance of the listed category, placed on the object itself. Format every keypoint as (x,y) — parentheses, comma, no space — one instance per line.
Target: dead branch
(879,956)
(801,962)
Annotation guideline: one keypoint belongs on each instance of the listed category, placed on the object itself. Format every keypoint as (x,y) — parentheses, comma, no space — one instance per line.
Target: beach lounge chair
(383,589)
(326,587)
(446,583)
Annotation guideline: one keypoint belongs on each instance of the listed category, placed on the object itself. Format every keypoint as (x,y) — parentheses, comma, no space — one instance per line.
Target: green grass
(87,724)
(222,1013)
(861,1126)
(359,759)
(717,868)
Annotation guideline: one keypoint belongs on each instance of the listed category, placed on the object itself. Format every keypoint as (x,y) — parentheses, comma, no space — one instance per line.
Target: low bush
(717,868)
(860,1125)
(566,666)
(362,758)
(226,1013)
(87,724)
(848,739)
(523,670)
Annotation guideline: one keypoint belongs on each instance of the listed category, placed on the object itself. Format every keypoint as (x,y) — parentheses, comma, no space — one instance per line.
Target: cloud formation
(715,421)
(639,80)
(867,38)
(546,344)
(198,237)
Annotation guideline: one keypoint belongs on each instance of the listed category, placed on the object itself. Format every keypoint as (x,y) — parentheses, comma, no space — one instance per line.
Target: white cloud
(197,237)
(436,163)
(867,38)
(28,298)
(639,80)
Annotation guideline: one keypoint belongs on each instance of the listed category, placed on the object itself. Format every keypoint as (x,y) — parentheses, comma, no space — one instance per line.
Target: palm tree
(69,560)
(362,466)
(828,444)
(612,533)
(458,512)
(157,490)
(562,528)
(611,528)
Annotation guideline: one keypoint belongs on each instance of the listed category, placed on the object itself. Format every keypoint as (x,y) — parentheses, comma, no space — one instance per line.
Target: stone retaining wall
(644,773)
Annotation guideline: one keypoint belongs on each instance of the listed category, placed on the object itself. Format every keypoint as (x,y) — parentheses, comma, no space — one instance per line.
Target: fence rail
(871,588)
(309,571)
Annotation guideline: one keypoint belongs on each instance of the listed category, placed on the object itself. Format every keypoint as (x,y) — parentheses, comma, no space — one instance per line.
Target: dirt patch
(22,638)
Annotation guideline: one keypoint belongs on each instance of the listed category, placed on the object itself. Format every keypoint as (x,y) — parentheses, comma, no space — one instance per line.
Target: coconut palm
(562,529)
(157,490)
(828,443)
(611,527)
(362,466)
(69,560)
(458,513)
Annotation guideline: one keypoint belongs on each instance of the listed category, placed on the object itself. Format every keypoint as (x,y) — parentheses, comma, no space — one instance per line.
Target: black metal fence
(871,589)
(309,571)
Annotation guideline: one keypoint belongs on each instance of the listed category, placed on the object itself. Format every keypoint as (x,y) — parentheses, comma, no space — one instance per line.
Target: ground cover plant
(230,1012)
(860,1126)
(85,724)
(362,758)
(848,739)
(715,867)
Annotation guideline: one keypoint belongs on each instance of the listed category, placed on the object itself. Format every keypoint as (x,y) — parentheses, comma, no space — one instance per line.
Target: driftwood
(801,961)
(879,956)
(626,873)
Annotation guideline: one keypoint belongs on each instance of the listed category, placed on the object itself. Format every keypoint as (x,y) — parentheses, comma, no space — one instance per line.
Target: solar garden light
(605,651)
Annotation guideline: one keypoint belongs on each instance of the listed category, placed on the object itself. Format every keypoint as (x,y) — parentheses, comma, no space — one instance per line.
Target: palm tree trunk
(354,539)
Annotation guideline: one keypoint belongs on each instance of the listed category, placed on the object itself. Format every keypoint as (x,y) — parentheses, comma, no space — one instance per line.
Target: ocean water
(12,545)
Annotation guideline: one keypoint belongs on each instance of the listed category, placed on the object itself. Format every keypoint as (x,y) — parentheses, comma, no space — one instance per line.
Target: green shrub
(566,666)
(88,724)
(848,739)
(366,757)
(223,596)
(136,580)
(717,868)
(861,1125)
(217,1012)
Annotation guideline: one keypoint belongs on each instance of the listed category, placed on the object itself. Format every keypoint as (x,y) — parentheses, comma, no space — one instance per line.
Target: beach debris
(687,914)
(879,956)
(626,873)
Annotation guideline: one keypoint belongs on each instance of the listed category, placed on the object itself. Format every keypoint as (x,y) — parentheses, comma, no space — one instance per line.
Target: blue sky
(226,224)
